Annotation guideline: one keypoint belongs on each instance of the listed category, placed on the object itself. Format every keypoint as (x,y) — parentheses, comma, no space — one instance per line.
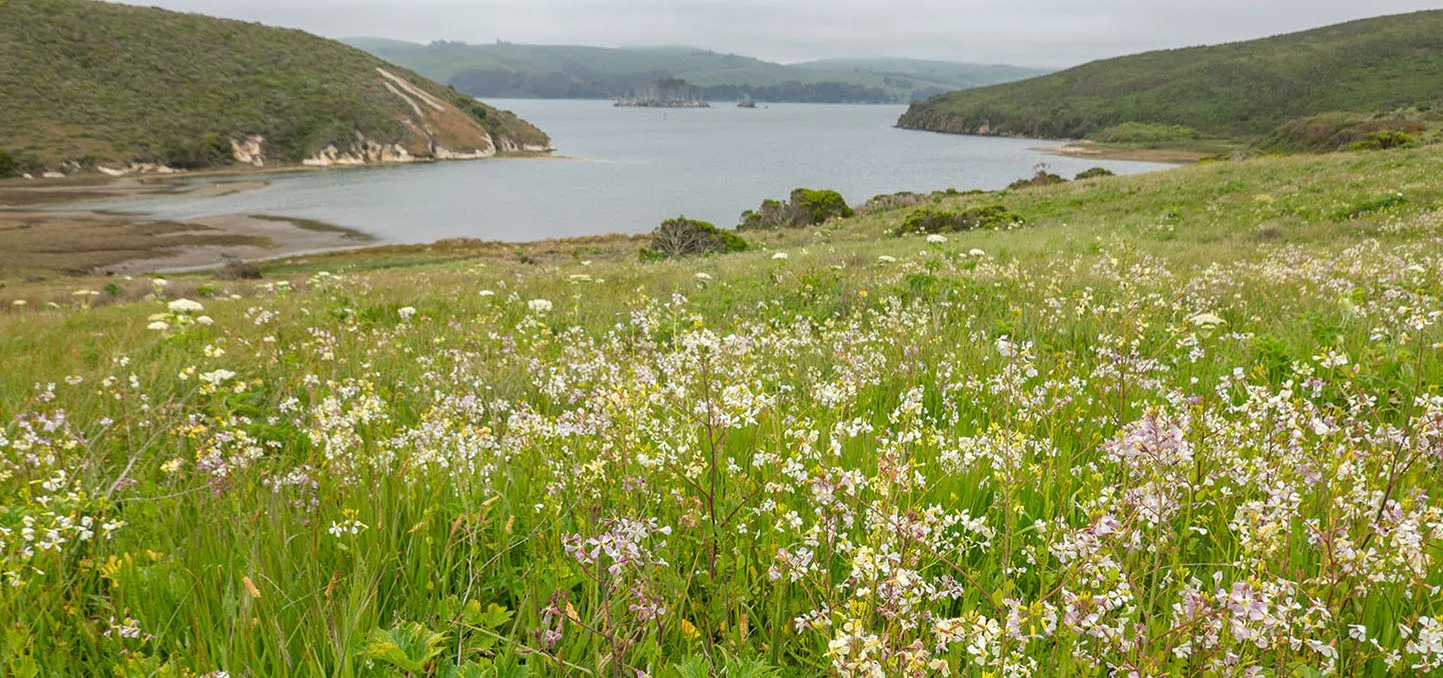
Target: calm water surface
(625,170)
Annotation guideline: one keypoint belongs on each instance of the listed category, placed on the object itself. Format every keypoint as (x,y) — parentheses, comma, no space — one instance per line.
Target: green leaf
(408,648)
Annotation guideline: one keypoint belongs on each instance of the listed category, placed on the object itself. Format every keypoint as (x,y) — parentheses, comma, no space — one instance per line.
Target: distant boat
(747,103)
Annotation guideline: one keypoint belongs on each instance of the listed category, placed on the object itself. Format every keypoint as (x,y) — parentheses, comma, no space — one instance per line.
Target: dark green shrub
(681,237)
(209,150)
(18,164)
(806,207)
(1383,140)
(927,220)
(1042,178)
(772,214)
(810,207)
(1095,173)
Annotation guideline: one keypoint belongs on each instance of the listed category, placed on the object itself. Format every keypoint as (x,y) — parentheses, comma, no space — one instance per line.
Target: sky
(1042,33)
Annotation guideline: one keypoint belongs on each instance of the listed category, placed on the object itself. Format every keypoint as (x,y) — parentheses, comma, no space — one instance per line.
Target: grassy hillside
(561,71)
(93,82)
(1179,424)
(1240,90)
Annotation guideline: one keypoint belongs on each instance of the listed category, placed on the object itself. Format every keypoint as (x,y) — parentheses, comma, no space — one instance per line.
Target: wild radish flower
(1207,320)
(539,305)
(406,313)
(349,526)
(217,377)
(185,306)
(936,239)
(779,256)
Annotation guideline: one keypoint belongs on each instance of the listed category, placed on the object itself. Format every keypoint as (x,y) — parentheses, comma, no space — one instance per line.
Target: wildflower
(1207,320)
(217,377)
(185,306)
(158,326)
(205,320)
(18,302)
(779,256)
(487,293)
(703,276)
(886,259)
(974,252)
(936,239)
(539,305)
(406,313)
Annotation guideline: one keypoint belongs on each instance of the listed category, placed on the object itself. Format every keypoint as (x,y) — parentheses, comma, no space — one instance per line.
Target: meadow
(1178,424)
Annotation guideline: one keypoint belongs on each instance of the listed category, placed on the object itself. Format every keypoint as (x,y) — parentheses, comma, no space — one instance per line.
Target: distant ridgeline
(571,72)
(1391,66)
(119,88)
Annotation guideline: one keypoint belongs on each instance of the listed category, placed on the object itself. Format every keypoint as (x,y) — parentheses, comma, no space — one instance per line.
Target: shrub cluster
(18,164)
(806,207)
(1042,178)
(1330,132)
(682,237)
(927,221)
(1094,173)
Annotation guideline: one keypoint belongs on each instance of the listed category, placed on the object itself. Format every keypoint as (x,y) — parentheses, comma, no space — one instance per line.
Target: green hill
(566,71)
(86,83)
(1236,91)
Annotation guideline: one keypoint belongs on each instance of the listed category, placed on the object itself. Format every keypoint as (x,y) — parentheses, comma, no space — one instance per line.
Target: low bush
(927,221)
(1383,140)
(682,237)
(1042,178)
(1095,173)
(806,207)
(18,164)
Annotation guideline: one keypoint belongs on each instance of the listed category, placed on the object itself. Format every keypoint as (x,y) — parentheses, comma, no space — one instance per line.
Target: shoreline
(1096,151)
(40,225)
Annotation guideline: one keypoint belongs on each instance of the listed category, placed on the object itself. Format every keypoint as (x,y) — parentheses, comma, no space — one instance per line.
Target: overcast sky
(1026,32)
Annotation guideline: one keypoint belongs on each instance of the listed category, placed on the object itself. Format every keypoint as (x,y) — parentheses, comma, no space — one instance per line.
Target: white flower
(487,293)
(886,259)
(976,253)
(205,320)
(18,302)
(185,306)
(1207,320)
(159,282)
(217,377)
(779,256)
(158,326)
(406,312)
(539,305)
(936,238)
(703,276)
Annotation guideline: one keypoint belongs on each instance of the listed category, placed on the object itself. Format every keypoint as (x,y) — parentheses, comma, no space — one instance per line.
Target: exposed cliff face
(132,89)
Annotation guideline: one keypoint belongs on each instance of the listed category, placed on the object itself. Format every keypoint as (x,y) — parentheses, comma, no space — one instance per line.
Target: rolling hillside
(1240,90)
(564,71)
(86,83)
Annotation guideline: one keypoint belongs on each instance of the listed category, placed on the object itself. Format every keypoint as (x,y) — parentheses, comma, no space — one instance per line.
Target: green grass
(1240,91)
(561,71)
(86,82)
(1127,427)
